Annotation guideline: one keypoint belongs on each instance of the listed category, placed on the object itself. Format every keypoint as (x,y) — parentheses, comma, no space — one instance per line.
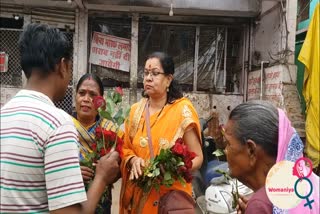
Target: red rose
(177,149)
(190,156)
(179,140)
(188,159)
(99,102)
(185,150)
(98,132)
(188,163)
(94,146)
(188,177)
(119,147)
(182,170)
(104,151)
(119,141)
(106,135)
(109,135)
(112,136)
(119,90)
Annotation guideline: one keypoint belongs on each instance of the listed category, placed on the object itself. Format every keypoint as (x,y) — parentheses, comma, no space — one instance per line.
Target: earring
(168,89)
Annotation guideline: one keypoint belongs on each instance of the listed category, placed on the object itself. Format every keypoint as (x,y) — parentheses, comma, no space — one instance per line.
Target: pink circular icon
(298,169)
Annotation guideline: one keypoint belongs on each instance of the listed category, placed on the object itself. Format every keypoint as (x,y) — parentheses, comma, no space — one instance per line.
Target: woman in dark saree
(86,120)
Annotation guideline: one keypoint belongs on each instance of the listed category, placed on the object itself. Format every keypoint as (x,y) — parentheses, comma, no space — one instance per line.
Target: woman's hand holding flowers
(172,164)
(137,164)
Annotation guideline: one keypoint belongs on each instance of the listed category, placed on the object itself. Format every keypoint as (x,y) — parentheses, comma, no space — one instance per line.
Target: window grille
(9,43)
(66,103)
(13,77)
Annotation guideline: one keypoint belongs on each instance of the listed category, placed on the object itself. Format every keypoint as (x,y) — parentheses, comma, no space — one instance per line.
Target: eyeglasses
(153,73)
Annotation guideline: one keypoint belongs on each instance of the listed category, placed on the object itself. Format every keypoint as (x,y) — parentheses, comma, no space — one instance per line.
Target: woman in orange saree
(171,117)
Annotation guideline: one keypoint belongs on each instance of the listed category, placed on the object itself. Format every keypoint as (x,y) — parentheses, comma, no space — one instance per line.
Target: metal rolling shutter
(63,19)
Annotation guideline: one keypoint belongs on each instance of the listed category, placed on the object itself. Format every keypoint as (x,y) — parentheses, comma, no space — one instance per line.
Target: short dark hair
(95,78)
(42,47)
(259,122)
(167,64)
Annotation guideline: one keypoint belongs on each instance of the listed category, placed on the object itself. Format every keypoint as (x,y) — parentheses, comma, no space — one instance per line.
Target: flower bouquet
(170,165)
(107,140)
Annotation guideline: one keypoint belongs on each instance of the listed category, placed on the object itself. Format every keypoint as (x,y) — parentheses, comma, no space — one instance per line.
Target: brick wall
(292,106)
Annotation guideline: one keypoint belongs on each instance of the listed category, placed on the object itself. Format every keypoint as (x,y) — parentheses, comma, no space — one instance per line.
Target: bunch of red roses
(173,164)
(181,150)
(107,140)
(110,109)
(110,139)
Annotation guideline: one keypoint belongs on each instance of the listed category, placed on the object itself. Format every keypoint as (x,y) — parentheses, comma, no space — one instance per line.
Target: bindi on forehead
(149,66)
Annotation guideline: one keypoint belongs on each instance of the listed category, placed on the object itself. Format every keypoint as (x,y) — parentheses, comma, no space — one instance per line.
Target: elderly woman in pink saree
(258,135)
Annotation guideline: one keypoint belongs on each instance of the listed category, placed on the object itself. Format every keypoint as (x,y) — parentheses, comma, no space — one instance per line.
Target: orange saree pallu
(167,125)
